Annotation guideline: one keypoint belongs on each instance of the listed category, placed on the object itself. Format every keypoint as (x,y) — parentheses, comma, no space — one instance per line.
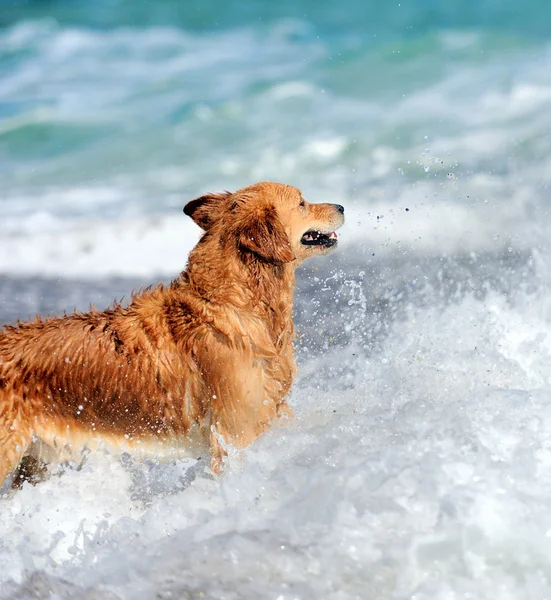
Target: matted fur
(208,358)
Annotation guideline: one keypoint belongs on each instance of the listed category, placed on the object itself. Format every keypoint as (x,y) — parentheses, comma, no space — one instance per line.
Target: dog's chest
(278,371)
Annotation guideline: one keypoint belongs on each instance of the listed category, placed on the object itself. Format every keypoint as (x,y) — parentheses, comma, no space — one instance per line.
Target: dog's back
(72,379)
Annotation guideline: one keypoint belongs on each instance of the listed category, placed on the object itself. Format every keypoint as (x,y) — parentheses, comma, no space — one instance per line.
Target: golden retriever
(203,362)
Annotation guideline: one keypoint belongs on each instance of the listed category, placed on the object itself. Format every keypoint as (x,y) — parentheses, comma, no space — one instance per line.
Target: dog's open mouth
(317,238)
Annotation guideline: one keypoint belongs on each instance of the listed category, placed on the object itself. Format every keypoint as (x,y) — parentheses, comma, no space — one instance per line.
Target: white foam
(158,244)
(425,475)
(140,247)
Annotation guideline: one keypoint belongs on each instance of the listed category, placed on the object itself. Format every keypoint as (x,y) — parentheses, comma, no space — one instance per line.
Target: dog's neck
(250,285)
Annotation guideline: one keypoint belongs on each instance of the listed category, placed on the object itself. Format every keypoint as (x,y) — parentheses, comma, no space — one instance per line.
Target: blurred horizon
(368,18)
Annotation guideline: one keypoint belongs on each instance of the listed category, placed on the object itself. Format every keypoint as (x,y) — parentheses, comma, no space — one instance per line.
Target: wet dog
(203,362)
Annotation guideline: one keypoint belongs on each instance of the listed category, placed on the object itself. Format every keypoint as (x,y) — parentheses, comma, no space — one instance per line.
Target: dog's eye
(302,203)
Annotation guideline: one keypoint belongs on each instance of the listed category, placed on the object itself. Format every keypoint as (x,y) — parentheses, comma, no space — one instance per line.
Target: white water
(422,471)
(154,245)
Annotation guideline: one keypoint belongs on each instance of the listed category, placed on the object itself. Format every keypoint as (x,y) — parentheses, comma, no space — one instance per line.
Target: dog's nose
(340,208)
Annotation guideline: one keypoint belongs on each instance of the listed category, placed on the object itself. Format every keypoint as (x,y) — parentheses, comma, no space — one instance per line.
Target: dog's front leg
(240,408)
(217,451)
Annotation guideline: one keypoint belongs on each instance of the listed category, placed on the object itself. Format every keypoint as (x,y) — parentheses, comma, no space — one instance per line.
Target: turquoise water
(148,104)
(368,18)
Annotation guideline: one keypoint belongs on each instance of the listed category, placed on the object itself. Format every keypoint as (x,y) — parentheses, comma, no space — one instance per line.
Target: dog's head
(271,221)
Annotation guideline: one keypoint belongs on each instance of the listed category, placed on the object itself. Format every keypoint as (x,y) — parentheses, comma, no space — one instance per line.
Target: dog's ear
(264,235)
(205,209)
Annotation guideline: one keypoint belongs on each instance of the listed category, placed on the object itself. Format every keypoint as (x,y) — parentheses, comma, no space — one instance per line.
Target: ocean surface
(420,465)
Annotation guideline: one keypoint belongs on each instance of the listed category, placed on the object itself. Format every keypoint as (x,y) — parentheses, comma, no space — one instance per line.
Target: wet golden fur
(205,360)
